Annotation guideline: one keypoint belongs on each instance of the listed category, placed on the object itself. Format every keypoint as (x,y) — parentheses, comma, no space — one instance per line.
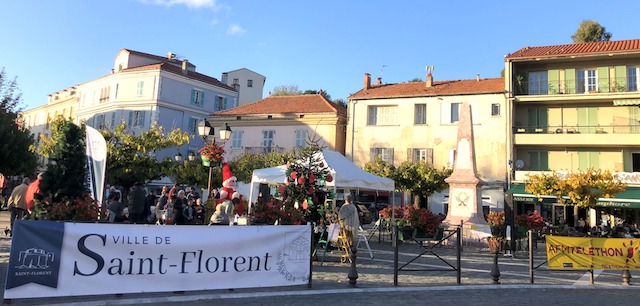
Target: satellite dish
(519,164)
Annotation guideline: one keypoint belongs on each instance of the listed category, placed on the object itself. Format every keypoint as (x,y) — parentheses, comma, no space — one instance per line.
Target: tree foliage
(590,31)
(194,173)
(15,138)
(582,188)
(415,80)
(380,167)
(66,173)
(131,157)
(286,90)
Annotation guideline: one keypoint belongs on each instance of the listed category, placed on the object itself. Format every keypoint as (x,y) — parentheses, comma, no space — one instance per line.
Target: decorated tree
(583,188)
(305,184)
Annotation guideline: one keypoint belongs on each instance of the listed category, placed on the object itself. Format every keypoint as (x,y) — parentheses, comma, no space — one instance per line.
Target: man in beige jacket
(18,203)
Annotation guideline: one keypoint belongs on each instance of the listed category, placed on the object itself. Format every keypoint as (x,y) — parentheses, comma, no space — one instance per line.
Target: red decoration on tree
(312,178)
(312,190)
(294,174)
(301,181)
(329,178)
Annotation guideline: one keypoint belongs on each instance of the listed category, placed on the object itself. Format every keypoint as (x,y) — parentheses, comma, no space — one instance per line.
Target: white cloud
(214,21)
(235,29)
(188,3)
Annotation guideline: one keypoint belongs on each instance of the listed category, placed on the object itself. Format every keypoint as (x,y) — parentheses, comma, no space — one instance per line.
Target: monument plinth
(465,193)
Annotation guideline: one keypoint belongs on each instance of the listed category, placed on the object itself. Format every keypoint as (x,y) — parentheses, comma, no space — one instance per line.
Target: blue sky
(329,44)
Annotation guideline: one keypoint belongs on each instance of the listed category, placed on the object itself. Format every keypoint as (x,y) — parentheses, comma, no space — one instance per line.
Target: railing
(568,129)
(601,85)
(257,150)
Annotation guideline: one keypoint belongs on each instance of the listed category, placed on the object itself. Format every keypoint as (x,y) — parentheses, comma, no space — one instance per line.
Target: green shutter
(620,80)
(193,96)
(544,160)
(570,81)
(534,160)
(142,119)
(130,119)
(533,118)
(594,159)
(603,79)
(113,120)
(202,98)
(543,118)
(553,78)
(225,103)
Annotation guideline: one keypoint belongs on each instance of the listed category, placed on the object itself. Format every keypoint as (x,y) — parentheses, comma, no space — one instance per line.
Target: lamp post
(205,130)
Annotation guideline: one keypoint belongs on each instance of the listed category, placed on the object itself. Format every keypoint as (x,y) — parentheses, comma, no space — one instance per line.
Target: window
(99,122)
(455,112)
(197,97)
(538,119)
(136,119)
(236,139)
(193,125)
(382,115)
(113,121)
(236,82)
(420,114)
(249,83)
(587,81)
(495,109)
(635,162)
(221,104)
(117,90)
(423,154)
(140,89)
(104,94)
(632,78)
(588,159)
(386,154)
(267,140)
(301,138)
(538,83)
(538,160)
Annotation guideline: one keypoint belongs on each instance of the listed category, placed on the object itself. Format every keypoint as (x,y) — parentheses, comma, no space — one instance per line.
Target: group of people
(22,200)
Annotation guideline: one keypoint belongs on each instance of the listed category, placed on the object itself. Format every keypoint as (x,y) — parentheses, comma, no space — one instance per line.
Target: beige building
(418,121)
(574,107)
(282,123)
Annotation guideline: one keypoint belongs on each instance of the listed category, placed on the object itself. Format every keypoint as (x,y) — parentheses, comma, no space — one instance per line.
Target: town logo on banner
(294,255)
(35,254)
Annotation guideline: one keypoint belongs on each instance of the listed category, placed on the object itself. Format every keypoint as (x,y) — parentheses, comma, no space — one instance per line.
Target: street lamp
(178,157)
(205,130)
(191,156)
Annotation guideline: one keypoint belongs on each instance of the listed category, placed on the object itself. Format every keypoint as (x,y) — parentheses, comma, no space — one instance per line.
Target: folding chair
(362,236)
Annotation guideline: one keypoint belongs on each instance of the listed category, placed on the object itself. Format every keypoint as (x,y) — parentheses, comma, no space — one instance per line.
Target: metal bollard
(353,272)
(495,270)
(626,277)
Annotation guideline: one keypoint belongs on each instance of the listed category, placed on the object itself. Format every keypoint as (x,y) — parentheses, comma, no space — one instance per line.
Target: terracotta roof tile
(298,104)
(601,47)
(177,70)
(439,88)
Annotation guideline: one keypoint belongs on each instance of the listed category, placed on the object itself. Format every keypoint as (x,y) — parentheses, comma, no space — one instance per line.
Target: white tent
(345,175)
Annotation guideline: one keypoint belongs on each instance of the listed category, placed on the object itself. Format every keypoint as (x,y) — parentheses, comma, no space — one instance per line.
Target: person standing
(136,204)
(178,205)
(348,215)
(17,203)
(149,201)
(188,213)
(115,208)
(162,202)
(33,192)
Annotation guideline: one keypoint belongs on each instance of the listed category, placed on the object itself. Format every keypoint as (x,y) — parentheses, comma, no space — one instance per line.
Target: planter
(422,234)
(205,161)
(495,244)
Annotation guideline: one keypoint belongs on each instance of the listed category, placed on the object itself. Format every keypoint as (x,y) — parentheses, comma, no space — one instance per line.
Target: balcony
(613,135)
(259,150)
(617,85)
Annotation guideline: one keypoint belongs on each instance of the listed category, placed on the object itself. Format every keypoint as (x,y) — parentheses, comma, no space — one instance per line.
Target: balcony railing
(257,150)
(602,85)
(567,129)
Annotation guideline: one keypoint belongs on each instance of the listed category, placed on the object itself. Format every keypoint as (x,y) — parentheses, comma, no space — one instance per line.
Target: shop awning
(630,198)
(620,102)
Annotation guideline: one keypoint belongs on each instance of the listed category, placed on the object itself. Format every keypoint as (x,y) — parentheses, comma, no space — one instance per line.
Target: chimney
(379,81)
(478,77)
(185,65)
(367,81)
(429,81)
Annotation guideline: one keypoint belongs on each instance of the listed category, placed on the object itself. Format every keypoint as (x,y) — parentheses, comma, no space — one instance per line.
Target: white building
(247,83)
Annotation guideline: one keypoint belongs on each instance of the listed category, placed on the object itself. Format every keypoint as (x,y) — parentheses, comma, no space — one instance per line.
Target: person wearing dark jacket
(136,204)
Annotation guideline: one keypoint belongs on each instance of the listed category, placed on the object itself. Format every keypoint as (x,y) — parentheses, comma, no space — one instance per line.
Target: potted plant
(496,223)
(425,224)
(211,153)
(525,222)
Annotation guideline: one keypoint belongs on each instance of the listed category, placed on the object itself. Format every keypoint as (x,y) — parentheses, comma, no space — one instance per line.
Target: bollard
(626,277)
(353,272)
(495,270)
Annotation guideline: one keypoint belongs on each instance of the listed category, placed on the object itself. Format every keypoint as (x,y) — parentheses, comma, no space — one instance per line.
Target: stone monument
(465,188)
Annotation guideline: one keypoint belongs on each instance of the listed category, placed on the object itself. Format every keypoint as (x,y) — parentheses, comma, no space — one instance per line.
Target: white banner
(96,162)
(67,259)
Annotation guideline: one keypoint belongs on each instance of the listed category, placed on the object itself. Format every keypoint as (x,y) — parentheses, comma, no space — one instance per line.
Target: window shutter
(570,80)
(113,120)
(603,79)
(225,103)
(202,98)
(391,159)
(410,154)
(193,96)
(215,103)
(130,118)
(141,123)
(553,80)
(372,154)
(620,78)
(430,156)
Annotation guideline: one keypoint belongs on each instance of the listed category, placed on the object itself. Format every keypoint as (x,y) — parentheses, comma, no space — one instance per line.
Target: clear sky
(328,44)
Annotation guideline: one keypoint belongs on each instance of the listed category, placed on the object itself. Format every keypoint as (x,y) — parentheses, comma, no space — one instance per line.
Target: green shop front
(624,207)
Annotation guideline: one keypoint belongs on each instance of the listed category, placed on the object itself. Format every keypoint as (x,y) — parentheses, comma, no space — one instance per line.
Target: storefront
(610,211)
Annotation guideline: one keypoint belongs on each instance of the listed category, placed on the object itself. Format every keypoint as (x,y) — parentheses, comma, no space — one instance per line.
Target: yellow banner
(581,253)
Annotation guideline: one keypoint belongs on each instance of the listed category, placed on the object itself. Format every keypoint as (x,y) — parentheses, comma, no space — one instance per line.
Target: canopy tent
(345,175)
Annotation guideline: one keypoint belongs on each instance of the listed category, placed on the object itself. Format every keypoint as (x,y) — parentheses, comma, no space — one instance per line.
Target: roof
(246,69)
(601,47)
(298,104)
(156,57)
(178,70)
(440,88)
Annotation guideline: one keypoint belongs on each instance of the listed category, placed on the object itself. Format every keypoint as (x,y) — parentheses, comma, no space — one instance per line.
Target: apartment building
(140,89)
(249,84)
(418,121)
(572,107)
(282,123)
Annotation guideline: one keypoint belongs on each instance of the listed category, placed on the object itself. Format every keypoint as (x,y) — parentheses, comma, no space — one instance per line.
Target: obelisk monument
(465,188)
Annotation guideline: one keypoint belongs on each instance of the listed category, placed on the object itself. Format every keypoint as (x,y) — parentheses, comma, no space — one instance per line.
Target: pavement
(375,282)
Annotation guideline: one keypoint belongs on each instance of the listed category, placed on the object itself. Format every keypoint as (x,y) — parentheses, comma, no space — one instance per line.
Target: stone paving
(375,283)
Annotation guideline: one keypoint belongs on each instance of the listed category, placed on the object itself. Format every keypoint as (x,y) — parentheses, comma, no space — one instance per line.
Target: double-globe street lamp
(205,130)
